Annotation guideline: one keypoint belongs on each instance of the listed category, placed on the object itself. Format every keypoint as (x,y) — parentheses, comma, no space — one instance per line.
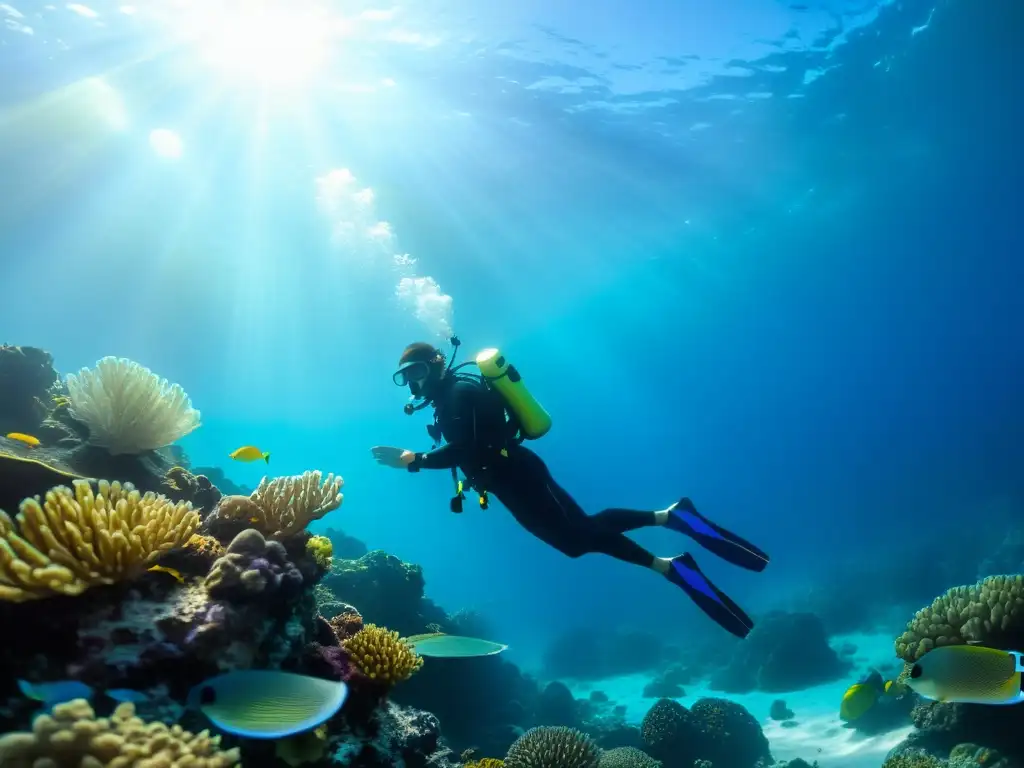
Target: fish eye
(916,671)
(207,695)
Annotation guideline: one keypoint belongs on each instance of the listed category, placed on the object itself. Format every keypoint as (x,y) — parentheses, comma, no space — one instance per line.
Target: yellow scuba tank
(534,421)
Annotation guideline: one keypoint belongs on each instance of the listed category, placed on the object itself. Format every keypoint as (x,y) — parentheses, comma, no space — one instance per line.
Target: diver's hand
(388,456)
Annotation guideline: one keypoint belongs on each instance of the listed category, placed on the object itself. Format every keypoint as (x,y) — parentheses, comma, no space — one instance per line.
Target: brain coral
(990,612)
(553,747)
(627,757)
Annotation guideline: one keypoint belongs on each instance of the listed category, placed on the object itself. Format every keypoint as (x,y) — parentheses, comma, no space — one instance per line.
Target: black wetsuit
(472,420)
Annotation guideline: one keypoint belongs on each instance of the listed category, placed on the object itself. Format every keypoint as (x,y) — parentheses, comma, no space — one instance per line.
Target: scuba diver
(483,420)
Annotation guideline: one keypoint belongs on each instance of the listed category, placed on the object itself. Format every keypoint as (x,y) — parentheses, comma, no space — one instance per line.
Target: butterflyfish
(249,453)
(968,674)
(267,704)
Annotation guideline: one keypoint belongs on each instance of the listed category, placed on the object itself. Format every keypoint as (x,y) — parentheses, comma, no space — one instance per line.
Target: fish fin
(29,690)
(266,457)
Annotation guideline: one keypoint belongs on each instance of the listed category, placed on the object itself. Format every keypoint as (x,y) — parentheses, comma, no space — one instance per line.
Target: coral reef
(26,375)
(321,550)
(182,485)
(386,591)
(990,612)
(381,655)
(128,408)
(78,539)
(73,735)
(253,567)
(345,547)
(785,652)
(627,757)
(719,731)
(553,747)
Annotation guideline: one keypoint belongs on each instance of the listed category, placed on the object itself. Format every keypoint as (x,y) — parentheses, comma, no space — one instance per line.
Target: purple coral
(253,567)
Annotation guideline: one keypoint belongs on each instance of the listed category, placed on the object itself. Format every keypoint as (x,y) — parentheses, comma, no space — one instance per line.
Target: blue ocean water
(764,254)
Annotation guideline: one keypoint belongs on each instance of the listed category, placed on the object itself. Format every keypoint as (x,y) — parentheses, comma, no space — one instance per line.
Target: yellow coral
(78,539)
(487,762)
(381,655)
(207,546)
(981,612)
(73,736)
(284,506)
(321,550)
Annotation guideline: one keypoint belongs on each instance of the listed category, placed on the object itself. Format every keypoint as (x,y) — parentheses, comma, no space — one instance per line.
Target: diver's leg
(684,518)
(623,520)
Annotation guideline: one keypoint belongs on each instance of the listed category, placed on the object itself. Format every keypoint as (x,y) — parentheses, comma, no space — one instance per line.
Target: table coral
(77,539)
(73,735)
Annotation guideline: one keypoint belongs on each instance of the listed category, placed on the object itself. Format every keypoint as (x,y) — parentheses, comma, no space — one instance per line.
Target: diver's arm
(464,402)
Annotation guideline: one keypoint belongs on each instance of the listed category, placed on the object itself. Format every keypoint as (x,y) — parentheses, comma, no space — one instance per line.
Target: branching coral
(986,612)
(289,504)
(284,506)
(73,736)
(77,539)
(321,550)
(128,408)
(381,655)
(553,747)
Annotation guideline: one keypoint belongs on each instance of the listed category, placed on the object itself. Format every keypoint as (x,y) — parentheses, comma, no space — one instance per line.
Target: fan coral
(986,612)
(553,747)
(128,408)
(381,655)
(289,504)
(627,757)
(321,550)
(73,736)
(253,566)
(77,539)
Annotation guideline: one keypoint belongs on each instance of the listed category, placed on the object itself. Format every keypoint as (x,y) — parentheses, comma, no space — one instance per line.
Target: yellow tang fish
(21,437)
(858,699)
(249,453)
(169,571)
(969,674)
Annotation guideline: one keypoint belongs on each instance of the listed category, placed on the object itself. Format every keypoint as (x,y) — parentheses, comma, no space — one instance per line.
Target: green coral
(321,550)
(553,747)
(627,757)
(987,612)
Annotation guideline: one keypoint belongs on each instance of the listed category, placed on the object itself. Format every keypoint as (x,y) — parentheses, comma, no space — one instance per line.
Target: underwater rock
(481,702)
(385,590)
(779,711)
(557,706)
(669,684)
(585,654)
(605,723)
(397,736)
(785,652)
(227,486)
(598,697)
(181,485)
(26,377)
(345,547)
(940,727)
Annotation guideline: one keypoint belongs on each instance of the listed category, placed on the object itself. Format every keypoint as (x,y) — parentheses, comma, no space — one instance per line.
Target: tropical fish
(968,674)
(267,704)
(169,571)
(895,688)
(306,747)
(249,453)
(864,694)
(21,437)
(441,646)
(66,690)
(56,692)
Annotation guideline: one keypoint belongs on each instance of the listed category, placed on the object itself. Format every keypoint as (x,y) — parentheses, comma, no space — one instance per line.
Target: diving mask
(412,373)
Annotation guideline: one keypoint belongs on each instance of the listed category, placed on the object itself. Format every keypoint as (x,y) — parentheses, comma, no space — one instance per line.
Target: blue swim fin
(715,603)
(684,518)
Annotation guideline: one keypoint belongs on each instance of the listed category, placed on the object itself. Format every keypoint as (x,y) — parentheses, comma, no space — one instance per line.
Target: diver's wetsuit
(472,420)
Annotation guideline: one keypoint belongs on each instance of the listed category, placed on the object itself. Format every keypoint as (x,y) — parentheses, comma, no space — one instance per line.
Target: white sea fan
(128,408)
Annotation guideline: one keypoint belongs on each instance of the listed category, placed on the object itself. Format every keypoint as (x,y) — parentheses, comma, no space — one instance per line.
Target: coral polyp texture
(553,747)
(627,757)
(73,736)
(72,540)
(128,408)
(284,506)
(989,612)
(382,655)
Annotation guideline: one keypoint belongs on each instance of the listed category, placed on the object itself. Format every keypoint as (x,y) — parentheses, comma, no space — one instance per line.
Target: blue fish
(55,693)
(267,704)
